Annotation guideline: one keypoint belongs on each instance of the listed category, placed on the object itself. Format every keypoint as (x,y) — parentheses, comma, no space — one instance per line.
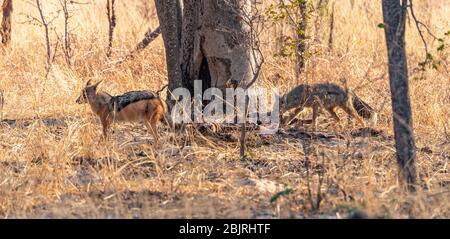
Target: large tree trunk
(191,56)
(207,42)
(224,42)
(394,15)
(7,9)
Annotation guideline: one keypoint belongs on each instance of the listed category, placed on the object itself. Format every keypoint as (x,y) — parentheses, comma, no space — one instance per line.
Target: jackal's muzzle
(82,99)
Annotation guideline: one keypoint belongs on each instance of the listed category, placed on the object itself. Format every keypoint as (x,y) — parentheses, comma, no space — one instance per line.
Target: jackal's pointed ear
(96,85)
(88,83)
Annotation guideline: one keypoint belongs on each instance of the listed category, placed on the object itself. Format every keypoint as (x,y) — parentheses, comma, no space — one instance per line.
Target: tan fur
(148,111)
(327,96)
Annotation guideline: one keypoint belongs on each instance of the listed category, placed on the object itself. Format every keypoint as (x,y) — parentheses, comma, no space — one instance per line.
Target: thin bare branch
(149,37)
(417,23)
(47,36)
(66,47)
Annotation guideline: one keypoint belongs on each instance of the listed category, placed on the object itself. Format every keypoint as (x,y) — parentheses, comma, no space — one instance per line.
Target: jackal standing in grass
(133,106)
(327,96)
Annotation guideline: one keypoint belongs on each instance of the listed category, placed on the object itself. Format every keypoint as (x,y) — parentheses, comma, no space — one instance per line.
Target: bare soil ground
(296,173)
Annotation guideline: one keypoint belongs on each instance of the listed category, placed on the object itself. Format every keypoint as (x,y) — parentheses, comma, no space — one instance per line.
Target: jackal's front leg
(105,125)
(352,112)
(291,117)
(314,116)
(151,127)
(335,116)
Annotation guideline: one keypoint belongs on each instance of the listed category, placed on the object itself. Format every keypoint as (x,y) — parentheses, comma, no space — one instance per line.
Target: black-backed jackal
(133,106)
(327,96)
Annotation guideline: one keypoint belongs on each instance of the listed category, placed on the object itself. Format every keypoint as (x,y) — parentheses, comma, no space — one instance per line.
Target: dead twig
(149,37)
(428,56)
(45,23)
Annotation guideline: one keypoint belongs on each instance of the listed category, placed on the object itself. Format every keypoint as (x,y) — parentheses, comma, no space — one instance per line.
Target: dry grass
(62,169)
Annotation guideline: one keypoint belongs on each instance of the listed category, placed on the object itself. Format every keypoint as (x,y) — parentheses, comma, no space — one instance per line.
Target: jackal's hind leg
(151,127)
(150,130)
(352,112)
(316,108)
(334,115)
(291,117)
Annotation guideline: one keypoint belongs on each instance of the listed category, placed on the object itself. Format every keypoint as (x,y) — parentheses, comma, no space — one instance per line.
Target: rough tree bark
(301,38)
(205,40)
(149,37)
(223,42)
(111,12)
(208,41)
(5,31)
(66,48)
(330,36)
(169,15)
(394,15)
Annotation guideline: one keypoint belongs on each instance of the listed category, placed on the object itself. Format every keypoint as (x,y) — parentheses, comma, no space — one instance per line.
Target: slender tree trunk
(47,35)
(170,20)
(111,12)
(330,37)
(191,56)
(394,15)
(67,48)
(6,22)
(148,38)
(301,39)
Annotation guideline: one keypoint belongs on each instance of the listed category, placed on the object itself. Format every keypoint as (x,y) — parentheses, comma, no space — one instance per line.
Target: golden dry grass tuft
(53,163)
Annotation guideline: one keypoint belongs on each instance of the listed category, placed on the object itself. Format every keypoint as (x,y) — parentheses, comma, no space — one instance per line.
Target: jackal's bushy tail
(364,110)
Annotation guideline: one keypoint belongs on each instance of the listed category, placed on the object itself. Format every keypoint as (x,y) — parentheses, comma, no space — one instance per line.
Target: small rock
(426,150)
(357,214)
(169,152)
(358,155)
